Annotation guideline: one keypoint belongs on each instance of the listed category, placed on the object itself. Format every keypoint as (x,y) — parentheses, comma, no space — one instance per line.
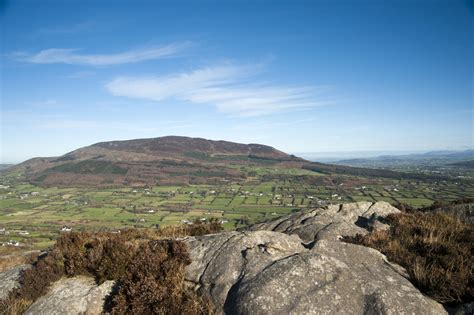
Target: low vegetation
(11,257)
(148,266)
(434,248)
(90,167)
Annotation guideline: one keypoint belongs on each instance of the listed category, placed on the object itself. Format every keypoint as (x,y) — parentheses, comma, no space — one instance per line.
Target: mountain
(164,160)
(174,160)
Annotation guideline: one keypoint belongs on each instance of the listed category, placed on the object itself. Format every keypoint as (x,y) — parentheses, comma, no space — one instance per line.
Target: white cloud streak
(227,87)
(74,57)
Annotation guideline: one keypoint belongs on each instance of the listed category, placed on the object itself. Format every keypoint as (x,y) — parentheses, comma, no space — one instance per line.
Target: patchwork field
(34,216)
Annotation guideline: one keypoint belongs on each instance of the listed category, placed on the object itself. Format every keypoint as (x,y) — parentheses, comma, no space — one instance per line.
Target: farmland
(34,215)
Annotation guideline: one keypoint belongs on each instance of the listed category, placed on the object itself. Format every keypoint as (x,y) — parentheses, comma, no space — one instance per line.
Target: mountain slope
(165,160)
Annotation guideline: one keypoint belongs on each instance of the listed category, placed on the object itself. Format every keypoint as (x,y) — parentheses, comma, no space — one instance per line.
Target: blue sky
(303,76)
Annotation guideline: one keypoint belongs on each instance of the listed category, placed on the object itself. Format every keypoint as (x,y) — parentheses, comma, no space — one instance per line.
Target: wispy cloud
(232,89)
(75,57)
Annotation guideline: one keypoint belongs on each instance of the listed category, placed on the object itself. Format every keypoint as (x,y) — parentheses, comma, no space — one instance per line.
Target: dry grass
(148,265)
(436,250)
(14,306)
(16,259)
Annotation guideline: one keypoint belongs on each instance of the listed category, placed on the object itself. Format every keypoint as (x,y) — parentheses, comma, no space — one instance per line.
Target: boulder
(78,295)
(220,261)
(331,278)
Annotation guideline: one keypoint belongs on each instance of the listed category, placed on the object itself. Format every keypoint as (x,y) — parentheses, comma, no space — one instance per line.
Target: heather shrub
(148,266)
(154,283)
(435,249)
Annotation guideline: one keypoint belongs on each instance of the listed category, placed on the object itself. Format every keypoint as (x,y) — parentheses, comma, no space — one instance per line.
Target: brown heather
(16,258)
(148,266)
(436,249)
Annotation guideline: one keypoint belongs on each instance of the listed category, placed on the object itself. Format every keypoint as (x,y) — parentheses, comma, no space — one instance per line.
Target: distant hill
(5,166)
(165,160)
(432,158)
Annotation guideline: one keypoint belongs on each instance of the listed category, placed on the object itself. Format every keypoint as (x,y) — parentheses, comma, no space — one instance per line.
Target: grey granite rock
(9,280)
(78,295)
(332,222)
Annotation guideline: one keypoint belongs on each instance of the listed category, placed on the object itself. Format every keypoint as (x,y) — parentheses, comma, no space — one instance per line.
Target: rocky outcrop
(331,278)
(78,295)
(221,261)
(332,222)
(295,264)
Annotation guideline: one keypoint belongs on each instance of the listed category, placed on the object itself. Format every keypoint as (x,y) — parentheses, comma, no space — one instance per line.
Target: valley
(34,215)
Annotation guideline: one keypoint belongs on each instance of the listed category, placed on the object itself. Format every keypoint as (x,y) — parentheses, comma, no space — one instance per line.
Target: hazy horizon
(301,76)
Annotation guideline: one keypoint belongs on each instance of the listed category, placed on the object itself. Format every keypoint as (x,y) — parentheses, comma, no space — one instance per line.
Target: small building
(13,243)
(66,229)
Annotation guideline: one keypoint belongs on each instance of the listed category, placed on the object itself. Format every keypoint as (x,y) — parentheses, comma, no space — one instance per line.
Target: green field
(34,215)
